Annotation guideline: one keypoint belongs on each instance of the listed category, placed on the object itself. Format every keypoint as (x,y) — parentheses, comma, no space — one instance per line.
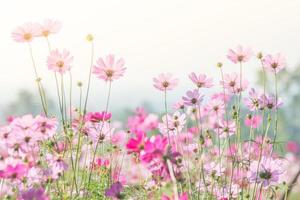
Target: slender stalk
(276,114)
(166,114)
(89,79)
(38,81)
(97,144)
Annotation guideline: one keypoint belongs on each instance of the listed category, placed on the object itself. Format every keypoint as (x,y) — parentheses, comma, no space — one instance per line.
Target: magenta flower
(240,54)
(253,121)
(14,172)
(49,27)
(33,193)
(136,145)
(201,81)
(154,148)
(97,116)
(192,98)
(59,61)
(109,69)
(165,82)
(274,63)
(26,32)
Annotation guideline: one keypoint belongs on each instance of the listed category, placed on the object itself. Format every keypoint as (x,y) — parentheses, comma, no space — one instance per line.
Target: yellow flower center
(27,36)
(60,64)
(45,33)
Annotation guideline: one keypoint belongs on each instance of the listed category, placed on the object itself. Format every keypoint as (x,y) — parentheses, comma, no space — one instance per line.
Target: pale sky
(152,36)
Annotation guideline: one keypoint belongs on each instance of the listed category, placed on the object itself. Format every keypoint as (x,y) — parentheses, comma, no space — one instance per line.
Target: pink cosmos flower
(97,116)
(274,63)
(201,81)
(101,163)
(59,61)
(233,84)
(269,172)
(49,27)
(175,123)
(179,105)
(216,106)
(240,54)
(253,121)
(109,69)
(165,82)
(142,121)
(26,32)
(192,98)
(101,131)
(14,172)
(252,101)
(136,145)
(183,196)
(33,193)
(270,102)
(46,126)
(56,165)
(292,146)
(226,129)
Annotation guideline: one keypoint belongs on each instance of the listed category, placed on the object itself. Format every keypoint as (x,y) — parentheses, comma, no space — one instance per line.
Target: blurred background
(153,37)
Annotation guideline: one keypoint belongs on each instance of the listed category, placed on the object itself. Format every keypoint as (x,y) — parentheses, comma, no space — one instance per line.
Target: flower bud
(89,37)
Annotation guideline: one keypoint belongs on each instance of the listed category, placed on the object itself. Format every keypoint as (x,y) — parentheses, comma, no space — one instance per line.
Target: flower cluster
(219,146)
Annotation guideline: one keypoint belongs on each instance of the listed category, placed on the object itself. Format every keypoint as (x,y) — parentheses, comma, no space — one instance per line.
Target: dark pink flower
(14,172)
(97,116)
(137,144)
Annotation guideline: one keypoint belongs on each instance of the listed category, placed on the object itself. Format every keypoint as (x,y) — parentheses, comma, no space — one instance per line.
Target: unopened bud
(89,37)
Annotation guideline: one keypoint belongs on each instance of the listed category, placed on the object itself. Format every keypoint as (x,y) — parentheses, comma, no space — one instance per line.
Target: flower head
(201,81)
(253,121)
(49,27)
(270,102)
(59,61)
(240,54)
(269,171)
(192,98)
(33,193)
(114,191)
(226,128)
(26,32)
(274,63)
(109,69)
(165,82)
(233,83)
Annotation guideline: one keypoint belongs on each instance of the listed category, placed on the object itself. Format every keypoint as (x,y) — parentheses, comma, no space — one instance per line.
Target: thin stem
(97,144)
(89,79)
(38,81)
